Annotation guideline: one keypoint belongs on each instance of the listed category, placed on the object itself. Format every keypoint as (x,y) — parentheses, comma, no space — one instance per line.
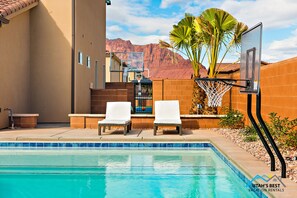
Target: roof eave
(18,12)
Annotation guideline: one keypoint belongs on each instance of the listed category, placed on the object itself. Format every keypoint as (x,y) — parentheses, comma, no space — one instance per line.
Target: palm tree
(214,29)
(186,40)
(219,31)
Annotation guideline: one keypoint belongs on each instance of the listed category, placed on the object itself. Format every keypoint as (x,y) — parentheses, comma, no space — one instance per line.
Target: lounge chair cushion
(167,110)
(168,121)
(115,122)
(118,111)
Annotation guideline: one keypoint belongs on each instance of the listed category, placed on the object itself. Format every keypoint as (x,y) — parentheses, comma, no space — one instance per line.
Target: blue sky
(148,21)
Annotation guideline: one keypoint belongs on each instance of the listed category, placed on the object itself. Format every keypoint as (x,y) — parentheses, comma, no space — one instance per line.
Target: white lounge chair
(117,114)
(167,114)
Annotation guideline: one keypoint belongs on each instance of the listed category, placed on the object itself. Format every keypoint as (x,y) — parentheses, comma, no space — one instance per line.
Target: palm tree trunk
(209,110)
(198,97)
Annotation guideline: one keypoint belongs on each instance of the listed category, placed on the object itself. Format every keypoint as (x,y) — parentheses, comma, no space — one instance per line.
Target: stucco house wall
(39,58)
(15,66)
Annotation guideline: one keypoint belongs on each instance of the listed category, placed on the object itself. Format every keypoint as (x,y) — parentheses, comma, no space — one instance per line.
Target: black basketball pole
(274,146)
(249,112)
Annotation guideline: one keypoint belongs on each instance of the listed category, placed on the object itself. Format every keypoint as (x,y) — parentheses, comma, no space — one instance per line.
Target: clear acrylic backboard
(250,60)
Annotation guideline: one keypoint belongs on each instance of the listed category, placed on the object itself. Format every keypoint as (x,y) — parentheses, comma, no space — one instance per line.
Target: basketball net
(215,91)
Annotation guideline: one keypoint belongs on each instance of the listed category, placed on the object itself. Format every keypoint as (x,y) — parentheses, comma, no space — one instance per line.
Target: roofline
(18,12)
(264,63)
(229,71)
(112,55)
(236,70)
(3,20)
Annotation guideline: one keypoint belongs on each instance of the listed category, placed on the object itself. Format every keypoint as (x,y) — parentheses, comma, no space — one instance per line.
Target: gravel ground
(257,149)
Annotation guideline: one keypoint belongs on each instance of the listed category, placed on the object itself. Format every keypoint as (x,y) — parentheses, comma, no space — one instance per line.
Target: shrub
(283,130)
(250,134)
(234,119)
(249,130)
(251,138)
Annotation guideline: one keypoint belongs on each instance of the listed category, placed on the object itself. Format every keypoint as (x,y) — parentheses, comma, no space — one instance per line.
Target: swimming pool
(118,170)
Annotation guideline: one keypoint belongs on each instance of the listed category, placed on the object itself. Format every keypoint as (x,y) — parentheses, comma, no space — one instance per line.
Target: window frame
(88,62)
(80,58)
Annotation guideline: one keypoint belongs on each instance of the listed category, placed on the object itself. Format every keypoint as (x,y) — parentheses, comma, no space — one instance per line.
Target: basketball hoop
(215,88)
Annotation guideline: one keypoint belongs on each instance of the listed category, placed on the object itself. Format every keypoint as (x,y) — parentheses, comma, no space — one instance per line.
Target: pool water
(117,173)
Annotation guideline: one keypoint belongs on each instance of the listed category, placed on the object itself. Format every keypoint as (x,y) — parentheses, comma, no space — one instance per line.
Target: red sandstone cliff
(158,60)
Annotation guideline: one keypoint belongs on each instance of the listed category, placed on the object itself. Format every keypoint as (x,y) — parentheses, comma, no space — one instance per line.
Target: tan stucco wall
(36,61)
(115,65)
(90,40)
(121,75)
(107,69)
(131,76)
(14,66)
(51,36)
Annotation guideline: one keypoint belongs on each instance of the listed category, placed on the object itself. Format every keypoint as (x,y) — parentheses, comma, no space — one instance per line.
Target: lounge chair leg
(99,130)
(125,129)
(104,129)
(180,129)
(128,128)
(155,129)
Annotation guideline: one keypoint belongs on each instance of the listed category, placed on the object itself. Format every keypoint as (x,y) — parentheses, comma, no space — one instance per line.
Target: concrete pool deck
(245,161)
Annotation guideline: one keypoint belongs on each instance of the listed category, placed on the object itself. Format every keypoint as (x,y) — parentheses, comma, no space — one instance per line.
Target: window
(88,62)
(80,58)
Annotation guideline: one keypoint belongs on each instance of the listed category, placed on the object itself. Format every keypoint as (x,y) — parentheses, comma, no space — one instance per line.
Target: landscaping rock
(257,149)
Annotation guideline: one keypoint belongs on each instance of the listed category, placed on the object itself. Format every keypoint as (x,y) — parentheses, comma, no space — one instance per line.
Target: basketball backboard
(250,60)
(133,61)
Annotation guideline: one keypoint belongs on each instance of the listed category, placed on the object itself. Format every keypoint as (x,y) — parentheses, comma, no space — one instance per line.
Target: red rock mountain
(158,60)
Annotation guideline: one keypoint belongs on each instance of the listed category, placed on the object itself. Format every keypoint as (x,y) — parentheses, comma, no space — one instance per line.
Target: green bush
(250,138)
(250,134)
(234,119)
(283,130)
(249,130)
